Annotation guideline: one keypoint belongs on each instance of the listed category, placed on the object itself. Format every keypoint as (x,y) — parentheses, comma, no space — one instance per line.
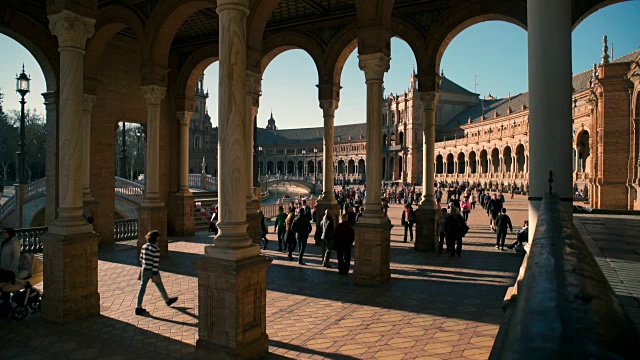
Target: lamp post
(315,165)
(22,88)
(138,136)
(304,161)
(123,153)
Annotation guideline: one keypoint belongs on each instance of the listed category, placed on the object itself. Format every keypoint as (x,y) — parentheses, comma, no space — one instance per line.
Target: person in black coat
(502,222)
(407,220)
(455,229)
(302,227)
(493,209)
(343,238)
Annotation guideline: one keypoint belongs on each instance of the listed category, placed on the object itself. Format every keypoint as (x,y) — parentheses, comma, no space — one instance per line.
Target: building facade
(203,137)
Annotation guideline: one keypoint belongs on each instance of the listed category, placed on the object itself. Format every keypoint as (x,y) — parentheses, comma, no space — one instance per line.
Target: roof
(306,135)
(580,83)
(449,86)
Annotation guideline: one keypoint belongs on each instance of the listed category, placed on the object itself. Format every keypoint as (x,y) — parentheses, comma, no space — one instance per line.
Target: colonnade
(470,163)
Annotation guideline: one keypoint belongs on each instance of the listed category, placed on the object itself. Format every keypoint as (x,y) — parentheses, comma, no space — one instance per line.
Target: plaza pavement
(434,307)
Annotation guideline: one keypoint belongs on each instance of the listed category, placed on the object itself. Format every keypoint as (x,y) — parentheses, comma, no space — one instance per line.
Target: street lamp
(303,162)
(22,88)
(138,136)
(123,153)
(315,165)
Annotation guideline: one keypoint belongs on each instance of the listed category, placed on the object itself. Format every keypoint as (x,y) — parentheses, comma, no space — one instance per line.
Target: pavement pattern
(434,307)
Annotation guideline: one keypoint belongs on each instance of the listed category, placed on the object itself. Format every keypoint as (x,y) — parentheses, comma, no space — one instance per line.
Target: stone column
(71,261)
(549,25)
(327,200)
(51,157)
(427,211)
(88,200)
(372,252)
(152,214)
(232,274)
(252,96)
(182,222)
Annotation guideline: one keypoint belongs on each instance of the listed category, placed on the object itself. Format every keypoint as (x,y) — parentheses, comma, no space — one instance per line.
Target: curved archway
(506,154)
(461,163)
(450,164)
(520,160)
(351,167)
(300,168)
(473,162)
(190,73)
(361,167)
(280,168)
(439,164)
(290,167)
(341,167)
(584,151)
(400,138)
(270,169)
(400,168)
(484,162)
(495,160)
(282,42)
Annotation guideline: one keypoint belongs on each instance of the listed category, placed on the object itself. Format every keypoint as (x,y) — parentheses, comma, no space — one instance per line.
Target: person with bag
(302,227)
(343,238)
(455,229)
(326,227)
(150,260)
(407,220)
(290,235)
(502,222)
(441,230)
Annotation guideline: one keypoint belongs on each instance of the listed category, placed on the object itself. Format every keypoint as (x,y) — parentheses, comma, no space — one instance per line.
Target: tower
(413,81)
(271,123)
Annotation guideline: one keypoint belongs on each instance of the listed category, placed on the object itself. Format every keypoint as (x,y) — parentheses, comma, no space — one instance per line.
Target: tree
(8,141)
(35,143)
(133,168)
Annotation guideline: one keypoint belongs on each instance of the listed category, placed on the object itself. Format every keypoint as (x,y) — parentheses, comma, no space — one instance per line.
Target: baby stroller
(25,296)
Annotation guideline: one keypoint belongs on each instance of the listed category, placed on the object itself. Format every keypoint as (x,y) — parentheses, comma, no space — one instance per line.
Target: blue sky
(496,51)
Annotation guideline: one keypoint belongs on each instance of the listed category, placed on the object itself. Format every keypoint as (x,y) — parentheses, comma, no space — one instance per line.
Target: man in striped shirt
(150,260)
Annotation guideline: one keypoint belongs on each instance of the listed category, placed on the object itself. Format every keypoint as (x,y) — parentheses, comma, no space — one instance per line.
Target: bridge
(306,182)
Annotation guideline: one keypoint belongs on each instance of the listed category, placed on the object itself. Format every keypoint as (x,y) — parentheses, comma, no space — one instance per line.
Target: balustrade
(35,188)
(30,239)
(125,229)
(129,189)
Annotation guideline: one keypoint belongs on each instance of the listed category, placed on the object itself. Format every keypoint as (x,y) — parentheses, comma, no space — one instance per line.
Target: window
(197,143)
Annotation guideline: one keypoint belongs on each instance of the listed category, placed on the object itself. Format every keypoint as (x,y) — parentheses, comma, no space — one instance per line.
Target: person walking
(302,227)
(281,229)
(327,228)
(465,206)
(343,237)
(263,231)
(493,209)
(502,222)
(9,261)
(290,235)
(213,223)
(407,220)
(441,230)
(455,230)
(150,260)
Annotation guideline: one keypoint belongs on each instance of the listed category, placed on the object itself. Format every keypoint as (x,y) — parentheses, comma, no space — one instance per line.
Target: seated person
(9,258)
(522,236)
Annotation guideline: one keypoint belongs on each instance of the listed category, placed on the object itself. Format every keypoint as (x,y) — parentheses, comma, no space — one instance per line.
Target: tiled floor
(435,307)
(615,243)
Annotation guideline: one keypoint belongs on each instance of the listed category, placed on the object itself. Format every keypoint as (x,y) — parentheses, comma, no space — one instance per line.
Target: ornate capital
(71,29)
(87,102)
(184,117)
(430,100)
(154,94)
(254,87)
(329,107)
(239,5)
(374,66)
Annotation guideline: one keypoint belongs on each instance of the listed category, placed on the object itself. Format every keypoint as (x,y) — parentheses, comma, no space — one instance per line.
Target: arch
(520,158)
(283,41)
(351,167)
(457,19)
(311,168)
(339,50)
(461,163)
(166,19)
(495,160)
(439,164)
(450,164)
(584,151)
(111,20)
(319,166)
(270,169)
(38,41)
(290,167)
(259,15)
(506,154)
(484,162)
(341,167)
(280,167)
(300,166)
(361,167)
(391,168)
(400,167)
(473,169)
(190,72)
(583,9)
(400,138)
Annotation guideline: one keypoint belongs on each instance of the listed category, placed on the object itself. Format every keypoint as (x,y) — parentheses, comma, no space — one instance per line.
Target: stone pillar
(549,25)
(427,211)
(152,214)
(252,97)
(181,222)
(71,261)
(373,231)
(51,157)
(327,199)
(232,274)
(88,200)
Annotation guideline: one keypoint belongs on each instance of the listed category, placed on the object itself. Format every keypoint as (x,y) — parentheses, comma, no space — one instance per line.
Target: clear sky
(496,51)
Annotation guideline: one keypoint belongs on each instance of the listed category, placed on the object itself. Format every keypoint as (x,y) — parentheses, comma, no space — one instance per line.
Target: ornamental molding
(184,117)
(71,29)
(327,34)
(374,66)
(430,100)
(329,106)
(154,94)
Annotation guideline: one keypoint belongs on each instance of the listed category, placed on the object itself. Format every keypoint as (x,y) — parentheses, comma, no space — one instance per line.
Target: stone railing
(562,306)
(203,182)
(271,210)
(308,178)
(30,239)
(125,229)
(8,207)
(129,189)
(35,188)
